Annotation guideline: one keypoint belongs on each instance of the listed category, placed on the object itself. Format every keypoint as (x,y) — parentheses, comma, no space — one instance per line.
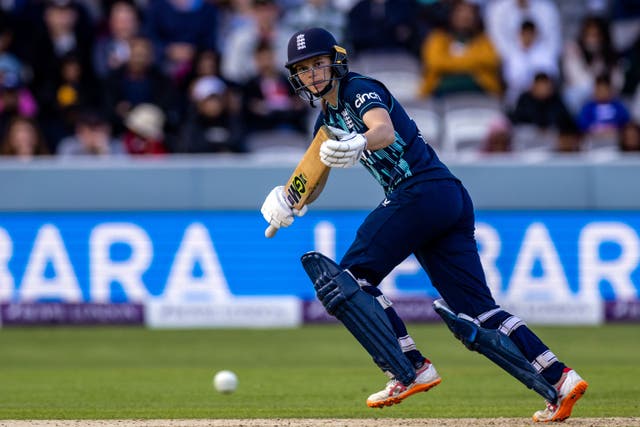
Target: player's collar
(336,90)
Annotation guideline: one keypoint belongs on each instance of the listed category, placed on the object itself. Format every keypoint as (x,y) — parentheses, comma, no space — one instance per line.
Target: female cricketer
(426,212)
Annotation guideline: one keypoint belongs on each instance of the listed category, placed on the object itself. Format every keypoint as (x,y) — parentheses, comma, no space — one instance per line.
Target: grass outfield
(311,372)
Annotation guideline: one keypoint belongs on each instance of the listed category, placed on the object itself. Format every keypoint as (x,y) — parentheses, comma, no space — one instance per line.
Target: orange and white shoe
(570,388)
(395,392)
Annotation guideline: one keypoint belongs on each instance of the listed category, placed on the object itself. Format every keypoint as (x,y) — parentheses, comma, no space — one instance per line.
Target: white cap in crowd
(207,86)
(147,120)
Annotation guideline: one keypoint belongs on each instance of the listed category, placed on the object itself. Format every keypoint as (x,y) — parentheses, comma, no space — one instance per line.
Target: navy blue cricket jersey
(408,156)
(430,215)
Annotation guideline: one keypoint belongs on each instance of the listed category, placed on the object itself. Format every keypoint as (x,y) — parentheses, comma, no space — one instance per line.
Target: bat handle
(270,231)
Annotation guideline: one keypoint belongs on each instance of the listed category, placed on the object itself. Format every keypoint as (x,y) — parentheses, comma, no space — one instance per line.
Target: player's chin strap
(312,97)
(360,312)
(497,347)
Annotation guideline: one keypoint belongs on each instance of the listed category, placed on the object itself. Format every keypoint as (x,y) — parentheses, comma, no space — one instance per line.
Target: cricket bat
(307,175)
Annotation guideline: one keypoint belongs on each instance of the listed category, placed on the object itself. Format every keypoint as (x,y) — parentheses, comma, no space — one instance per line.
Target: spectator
(112,49)
(178,29)
(92,137)
(604,116)
(315,13)
(9,62)
(15,99)
(269,101)
(590,55)
(381,25)
(624,17)
(233,15)
(139,81)
(634,106)
(66,30)
(17,21)
(460,58)
(62,99)
(144,130)
(630,138)
(210,126)
(499,137)
(505,17)
(239,47)
(542,108)
(431,15)
(76,89)
(207,63)
(631,61)
(23,139)
(528,57)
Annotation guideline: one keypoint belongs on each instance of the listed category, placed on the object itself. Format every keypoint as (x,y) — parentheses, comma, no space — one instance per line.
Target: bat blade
(306,177)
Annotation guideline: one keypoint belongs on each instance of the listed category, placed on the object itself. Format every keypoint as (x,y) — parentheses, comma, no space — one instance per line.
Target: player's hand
(343,152)
(277,211)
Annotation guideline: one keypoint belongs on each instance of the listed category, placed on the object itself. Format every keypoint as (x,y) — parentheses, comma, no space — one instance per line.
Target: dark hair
(603,78)
(528,25)
(41,146)
(478,24)
(541,76)
(608,52)
(7,25)
(91,117)
(263,46)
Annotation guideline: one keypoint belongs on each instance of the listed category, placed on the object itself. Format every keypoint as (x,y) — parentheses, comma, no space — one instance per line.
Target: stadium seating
(466,120)
(399,71)
(427,116)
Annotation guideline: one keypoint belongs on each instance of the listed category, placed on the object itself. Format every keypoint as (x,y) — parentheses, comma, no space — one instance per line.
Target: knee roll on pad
(330,293)
(360,312)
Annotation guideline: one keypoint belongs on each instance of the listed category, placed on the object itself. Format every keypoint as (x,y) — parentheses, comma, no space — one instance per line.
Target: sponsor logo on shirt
(361,98)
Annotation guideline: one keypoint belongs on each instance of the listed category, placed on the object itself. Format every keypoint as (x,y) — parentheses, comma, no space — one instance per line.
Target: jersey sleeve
(363,94)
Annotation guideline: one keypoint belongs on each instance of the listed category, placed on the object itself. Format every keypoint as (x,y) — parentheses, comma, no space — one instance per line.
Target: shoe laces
(394,386)
(551,407)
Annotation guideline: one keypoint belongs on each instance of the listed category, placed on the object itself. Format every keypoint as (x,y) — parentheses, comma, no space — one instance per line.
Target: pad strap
(510,324)
(544,360)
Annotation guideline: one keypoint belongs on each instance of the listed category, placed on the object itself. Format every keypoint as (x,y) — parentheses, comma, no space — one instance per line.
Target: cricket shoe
(395,392)
(570,388)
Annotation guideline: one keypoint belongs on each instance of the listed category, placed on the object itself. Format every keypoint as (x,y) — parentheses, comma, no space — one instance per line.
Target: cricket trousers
(435,221)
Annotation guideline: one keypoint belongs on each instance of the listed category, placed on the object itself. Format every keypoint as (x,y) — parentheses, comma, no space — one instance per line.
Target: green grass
(320,371)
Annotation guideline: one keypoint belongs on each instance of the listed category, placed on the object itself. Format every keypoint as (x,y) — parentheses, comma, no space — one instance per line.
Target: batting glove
(343,152)
(277,211)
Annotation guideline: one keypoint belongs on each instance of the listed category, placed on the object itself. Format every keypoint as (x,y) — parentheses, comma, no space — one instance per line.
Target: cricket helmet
(307,44)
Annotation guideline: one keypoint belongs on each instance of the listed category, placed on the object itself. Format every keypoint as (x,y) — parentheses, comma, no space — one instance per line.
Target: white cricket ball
(225,381)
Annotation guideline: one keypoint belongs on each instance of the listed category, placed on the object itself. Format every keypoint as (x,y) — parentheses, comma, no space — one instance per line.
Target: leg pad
(497,347)
(360,312)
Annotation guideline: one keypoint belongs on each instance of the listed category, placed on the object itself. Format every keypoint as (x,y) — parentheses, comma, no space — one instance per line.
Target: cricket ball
(225,381)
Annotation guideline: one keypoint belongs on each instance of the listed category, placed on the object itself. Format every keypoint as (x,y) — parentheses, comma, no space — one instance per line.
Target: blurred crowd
(155,77)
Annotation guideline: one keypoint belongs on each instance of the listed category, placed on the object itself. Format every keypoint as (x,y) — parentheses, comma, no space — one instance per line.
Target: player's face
(314,73)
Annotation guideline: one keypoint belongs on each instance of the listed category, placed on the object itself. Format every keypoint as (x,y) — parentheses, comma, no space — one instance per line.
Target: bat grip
(270,231)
